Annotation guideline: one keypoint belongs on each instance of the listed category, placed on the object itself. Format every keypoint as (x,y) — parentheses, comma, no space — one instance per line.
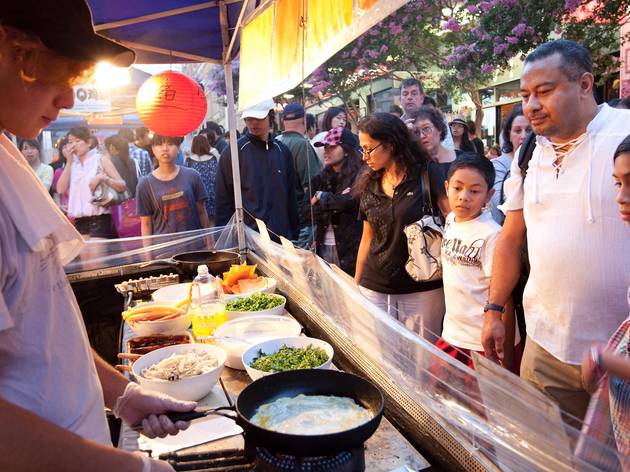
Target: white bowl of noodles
(184,371)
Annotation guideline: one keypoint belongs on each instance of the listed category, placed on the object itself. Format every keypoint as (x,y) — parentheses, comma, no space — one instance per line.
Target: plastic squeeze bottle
(208,310)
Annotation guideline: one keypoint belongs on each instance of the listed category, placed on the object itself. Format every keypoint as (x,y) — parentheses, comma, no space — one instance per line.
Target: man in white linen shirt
(578,251)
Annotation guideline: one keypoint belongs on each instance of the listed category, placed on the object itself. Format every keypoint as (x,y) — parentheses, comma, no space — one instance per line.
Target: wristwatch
(493,307)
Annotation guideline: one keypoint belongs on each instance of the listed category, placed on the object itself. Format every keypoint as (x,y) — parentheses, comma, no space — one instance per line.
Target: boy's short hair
(160,139)
(623,148)
(472,160)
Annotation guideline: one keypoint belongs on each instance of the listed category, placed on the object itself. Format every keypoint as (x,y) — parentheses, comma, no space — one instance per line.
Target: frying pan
(187,262)
(308,382)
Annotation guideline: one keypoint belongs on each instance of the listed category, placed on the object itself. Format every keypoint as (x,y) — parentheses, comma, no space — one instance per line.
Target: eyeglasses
(368,152)
(427,130)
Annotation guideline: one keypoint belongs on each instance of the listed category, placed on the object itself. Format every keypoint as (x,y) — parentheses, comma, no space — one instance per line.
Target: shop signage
(88,98)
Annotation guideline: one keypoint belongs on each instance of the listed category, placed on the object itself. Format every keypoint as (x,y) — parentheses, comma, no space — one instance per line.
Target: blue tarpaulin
(169,31)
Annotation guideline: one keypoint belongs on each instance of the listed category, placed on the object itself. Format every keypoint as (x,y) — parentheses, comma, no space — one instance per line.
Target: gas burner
(225,460)
(347,461)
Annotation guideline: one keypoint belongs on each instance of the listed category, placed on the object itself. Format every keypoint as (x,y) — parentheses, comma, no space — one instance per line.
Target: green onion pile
(290,358)
(255,302)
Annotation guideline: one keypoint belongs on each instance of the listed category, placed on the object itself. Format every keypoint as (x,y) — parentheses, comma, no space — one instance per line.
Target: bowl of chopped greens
(256,304)
(280,355)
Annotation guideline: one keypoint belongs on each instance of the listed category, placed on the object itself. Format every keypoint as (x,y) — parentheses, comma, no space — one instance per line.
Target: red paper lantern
(171,104)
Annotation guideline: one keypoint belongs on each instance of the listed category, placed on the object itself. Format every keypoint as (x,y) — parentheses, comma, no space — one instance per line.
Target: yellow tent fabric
(286,42)
(259,59)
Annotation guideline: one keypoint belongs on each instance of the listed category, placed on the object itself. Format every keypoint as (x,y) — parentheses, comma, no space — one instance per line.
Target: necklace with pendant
(392,181)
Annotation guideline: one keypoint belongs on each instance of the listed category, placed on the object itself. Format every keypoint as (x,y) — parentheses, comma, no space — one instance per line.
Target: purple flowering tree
(499,30)
(404,41)
(214,80)
(468,42)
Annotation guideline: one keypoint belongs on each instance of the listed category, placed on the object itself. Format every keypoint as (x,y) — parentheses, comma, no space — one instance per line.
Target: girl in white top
(467,248)
(82,174)
(31,150)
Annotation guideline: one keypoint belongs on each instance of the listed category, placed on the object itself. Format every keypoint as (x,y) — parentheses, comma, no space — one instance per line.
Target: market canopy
(170,31)
(282,42)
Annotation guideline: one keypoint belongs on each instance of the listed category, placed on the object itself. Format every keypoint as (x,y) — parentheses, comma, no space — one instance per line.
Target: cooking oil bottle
(207,308)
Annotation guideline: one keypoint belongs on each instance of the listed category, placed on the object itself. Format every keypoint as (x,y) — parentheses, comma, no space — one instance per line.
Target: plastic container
(207,309)
(251,330)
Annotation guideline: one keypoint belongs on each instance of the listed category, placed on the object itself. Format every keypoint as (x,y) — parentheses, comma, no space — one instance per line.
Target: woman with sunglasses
(390,199)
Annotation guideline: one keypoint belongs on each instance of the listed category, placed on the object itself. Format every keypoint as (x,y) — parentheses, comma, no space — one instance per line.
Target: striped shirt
(142,158)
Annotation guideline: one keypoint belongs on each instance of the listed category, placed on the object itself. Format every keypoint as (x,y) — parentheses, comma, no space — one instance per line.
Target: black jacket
(339,210)
(268,186)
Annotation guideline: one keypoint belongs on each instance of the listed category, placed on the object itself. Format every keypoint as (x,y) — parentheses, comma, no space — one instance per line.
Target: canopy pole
(231,112)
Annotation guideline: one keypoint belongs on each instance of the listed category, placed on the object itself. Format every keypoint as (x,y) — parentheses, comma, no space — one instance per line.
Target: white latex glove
(137,405)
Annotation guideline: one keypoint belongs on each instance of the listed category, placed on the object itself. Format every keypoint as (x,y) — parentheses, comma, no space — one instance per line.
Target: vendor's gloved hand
(137,405)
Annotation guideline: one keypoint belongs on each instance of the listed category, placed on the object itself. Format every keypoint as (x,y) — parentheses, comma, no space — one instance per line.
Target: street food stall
(435,410)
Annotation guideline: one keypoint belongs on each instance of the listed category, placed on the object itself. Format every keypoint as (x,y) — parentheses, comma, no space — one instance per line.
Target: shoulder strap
(426,191)
(525,153)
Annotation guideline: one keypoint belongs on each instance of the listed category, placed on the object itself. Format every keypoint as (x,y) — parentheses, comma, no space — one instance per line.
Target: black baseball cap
(71,34)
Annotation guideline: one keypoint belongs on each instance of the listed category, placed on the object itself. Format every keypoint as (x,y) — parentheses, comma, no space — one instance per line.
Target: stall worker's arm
(136,406)
(506,268)
(29,442)
(364,248)
(224,188)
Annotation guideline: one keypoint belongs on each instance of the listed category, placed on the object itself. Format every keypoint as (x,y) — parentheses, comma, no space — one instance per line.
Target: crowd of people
(350,198)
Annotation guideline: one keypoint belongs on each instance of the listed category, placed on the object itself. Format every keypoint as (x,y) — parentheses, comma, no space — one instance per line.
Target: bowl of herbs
(283,354)
(256,304)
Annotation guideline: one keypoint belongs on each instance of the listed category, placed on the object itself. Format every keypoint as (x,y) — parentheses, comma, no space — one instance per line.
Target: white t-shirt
(46,364)
(579,248)
(467,250)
